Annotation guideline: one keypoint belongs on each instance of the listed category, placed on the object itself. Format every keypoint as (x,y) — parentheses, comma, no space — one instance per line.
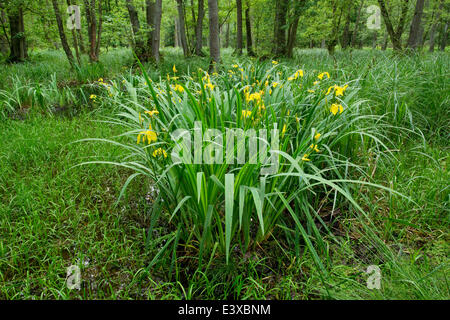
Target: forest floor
(54,214)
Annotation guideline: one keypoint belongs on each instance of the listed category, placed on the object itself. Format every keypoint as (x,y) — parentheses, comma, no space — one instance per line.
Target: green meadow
(362,179)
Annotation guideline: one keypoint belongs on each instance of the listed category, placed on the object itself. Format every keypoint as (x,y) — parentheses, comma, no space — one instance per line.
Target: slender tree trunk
(81,42)
(358,18)
(149,14)
(333,39)
(62,34)
(239,27)
(248,30)
(99,29)
(92,29)
(156,34)
(75,41)
(214,42)
(227,36)
(414,33)
(3,22)
(346,33)
(17,31)
(385,41)
(435,25)
(199,28)
(444,37)
(182,29)
(138,44)
(281,8)
(395,35)
(292,34)
(374,40)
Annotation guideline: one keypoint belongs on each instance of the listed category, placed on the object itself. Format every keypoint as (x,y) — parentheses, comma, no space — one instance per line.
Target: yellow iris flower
(152,113)
(159,152)
(305,157)
(323,74)
(246,113)
(148,135)
(335,108)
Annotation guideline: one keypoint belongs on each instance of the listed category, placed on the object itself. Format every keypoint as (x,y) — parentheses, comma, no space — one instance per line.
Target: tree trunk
(3,22)
(138,44)
(358,18)
(156,34)
(182,29)
(292,34)
(176,33)
(17,35)
(149,15)
(435,25)
(444,37)
(248,30)
(239,27)
(281,8)
(62,34)
(75,41)
(346,33)
(81,42)
(374,40)
(99,29)
(333,39)
(414,33)
(199,29)
(227,36)
(214,42)
(385,41)
(395,36)
(92,29)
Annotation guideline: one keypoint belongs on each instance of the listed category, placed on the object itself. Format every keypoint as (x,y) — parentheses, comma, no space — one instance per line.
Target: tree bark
(239,27)
(444,36)
(92,29)
(62,34)
(149,15)
(3,22)
(182,29)
(227,36)
(75,41)
(358,18)
(435,25)
(395,35)
(156,34)
(281,8)
(18,49)
(99,29)
(292,34)
(214,42)
(346,33)
(248,30)
(138,44)
(333,39)
(385,41)
(414,33)
(199,28)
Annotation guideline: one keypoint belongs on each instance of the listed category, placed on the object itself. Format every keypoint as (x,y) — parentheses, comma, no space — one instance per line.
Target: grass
(55,214)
